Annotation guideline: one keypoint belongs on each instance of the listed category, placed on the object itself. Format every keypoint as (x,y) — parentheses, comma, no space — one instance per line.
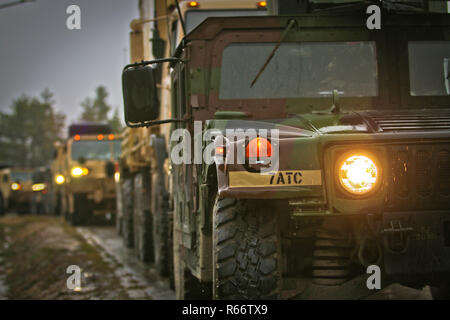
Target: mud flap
(417,246)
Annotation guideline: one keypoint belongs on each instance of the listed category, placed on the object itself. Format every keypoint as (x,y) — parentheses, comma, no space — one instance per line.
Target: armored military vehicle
(330,145)
(15,189)
(88,161)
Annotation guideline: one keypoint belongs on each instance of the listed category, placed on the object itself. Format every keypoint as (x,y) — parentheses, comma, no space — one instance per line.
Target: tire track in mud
(138,279)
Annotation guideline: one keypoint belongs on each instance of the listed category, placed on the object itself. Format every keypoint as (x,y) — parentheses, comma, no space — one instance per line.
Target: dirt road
(36,251)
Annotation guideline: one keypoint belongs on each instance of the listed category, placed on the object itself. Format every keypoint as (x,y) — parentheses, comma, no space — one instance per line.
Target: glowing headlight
(358,174)
(117,177)
(78,172)
(38,187)
(59,179)
(15,186)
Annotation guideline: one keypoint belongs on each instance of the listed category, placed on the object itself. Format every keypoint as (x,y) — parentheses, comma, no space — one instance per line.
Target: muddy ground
(35,252)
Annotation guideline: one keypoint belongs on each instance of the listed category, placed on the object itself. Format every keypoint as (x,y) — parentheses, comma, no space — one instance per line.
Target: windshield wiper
(290,25)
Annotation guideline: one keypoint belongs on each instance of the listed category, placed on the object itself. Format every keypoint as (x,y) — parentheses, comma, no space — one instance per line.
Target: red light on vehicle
(220,151)
(100,137)
(258,147)
(262,4)
(111,136)
(193,4)
(77,137)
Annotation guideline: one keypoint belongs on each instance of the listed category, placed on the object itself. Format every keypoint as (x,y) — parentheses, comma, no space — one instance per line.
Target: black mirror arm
(145,63)
(152,123)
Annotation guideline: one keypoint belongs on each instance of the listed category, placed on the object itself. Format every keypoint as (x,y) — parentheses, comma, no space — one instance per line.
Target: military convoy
(354,173)
(145,216)
(83,171)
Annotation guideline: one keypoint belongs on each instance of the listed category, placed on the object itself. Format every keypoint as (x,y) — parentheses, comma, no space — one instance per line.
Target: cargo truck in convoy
(83,170)
(15,189)
(304,151)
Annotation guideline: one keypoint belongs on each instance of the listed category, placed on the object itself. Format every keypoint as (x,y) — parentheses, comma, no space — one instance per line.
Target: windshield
(307,69)
(428,68)
(95,150)
(21,176)
(195,17)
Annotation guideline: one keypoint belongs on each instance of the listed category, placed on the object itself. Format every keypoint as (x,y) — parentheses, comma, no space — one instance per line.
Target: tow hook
(396,239)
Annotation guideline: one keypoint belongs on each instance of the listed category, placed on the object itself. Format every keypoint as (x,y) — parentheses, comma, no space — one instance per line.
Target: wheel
(2,205)
(160,225)
(81,212)
(441,293)
(170,261)
(246,250)
(142,220)
(127,219)
(119,210)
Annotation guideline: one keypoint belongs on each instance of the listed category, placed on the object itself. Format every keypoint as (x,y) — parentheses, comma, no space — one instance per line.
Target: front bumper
(416,245)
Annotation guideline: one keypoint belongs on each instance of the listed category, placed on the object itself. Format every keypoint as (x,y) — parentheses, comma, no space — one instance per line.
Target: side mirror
(140,94)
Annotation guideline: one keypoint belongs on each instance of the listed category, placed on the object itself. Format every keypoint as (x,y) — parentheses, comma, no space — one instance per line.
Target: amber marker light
(262,4)
(220,151)
(110,136)
(100,137)
(193,4)
(258,147)
(358,174)
(77,137)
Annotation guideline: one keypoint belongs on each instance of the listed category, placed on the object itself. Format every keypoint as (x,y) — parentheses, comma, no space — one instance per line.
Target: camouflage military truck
(15,189)
(88,161)
(143,220)
(354,173)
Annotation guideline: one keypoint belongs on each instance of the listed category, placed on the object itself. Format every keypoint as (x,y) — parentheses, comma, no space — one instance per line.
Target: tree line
(30,128)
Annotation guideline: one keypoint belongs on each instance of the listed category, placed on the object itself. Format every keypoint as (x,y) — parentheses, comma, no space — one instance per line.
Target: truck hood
(322,123)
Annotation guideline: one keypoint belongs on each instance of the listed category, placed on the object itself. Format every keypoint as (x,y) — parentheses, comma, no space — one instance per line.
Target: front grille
(390,122)
(419,177)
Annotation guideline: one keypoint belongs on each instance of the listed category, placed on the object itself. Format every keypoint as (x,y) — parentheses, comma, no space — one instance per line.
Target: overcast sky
(38,51)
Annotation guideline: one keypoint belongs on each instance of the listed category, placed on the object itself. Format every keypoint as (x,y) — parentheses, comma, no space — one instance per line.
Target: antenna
(181,17)
(10,4)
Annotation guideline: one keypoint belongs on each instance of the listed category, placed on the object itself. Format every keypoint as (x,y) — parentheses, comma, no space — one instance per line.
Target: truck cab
(88,187)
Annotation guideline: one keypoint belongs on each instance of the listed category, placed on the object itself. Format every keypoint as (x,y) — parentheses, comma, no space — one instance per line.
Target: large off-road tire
(127,219)
(81,212)
(246,250)
(119,206)
(2,205)
(160,225)
(142,220)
